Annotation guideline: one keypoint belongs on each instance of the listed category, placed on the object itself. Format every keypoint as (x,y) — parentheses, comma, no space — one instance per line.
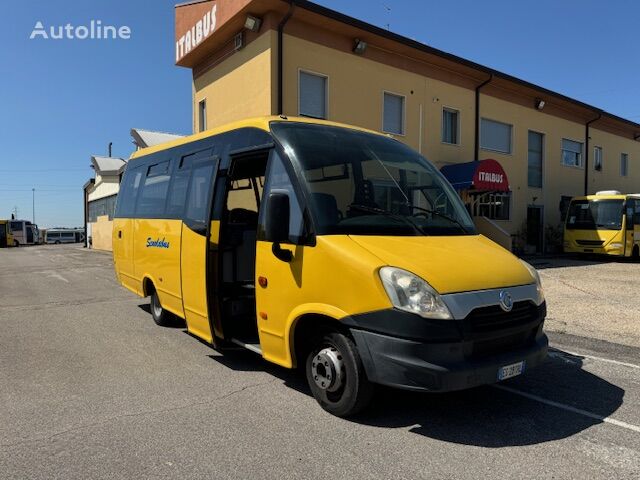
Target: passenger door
(123,230)
(631,238)
(195,232)
(279,285)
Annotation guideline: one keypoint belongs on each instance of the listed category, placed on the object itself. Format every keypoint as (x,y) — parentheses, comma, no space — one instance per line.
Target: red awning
(480,176)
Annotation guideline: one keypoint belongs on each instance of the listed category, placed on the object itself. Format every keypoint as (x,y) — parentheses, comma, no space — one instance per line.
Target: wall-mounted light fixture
(359,46)
(238,41)
(540,103)
(252,23)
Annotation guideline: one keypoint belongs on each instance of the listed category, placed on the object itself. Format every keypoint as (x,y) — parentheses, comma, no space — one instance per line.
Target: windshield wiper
(441,215)
(381,211)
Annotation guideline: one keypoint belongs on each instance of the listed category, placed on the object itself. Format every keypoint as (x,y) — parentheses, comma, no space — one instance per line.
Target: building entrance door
(534,228)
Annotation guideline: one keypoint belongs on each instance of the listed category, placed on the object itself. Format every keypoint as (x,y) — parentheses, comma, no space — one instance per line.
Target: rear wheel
(16,243)
(159,314)
(635,254)
(336,375)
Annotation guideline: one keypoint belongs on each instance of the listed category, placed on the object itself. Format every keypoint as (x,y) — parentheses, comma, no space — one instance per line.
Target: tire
(159,314)
(16,243)
(635,254)
(345,393)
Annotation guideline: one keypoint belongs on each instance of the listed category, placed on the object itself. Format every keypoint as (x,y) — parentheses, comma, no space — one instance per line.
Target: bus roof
(621,196)
(261,123)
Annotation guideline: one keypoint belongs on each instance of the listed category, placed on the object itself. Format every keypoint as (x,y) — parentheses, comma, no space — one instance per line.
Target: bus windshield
(365,184)
(595,215)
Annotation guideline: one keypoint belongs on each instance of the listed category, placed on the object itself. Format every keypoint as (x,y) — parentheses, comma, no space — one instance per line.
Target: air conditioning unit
(608,192)
(238,41)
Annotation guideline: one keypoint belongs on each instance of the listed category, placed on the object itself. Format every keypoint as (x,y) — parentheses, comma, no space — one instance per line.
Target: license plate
(509,371)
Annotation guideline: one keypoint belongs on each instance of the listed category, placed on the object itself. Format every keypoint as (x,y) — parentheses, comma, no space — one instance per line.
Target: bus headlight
(412,294)
(534,273)
(616,245)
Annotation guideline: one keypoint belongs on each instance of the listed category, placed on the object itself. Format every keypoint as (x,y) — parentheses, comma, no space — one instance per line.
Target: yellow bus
(6,238)
(329,248)
(605,223)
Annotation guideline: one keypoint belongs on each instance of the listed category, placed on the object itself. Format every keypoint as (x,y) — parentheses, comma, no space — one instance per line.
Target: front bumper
(446,355)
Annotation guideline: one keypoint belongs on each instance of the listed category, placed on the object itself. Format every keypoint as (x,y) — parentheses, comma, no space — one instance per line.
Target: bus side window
(198,197)
(154,191)
(277,178)
(178,193)
(126,202)
(633,213)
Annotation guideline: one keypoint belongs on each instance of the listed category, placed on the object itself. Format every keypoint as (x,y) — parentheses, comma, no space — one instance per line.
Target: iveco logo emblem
(506,302)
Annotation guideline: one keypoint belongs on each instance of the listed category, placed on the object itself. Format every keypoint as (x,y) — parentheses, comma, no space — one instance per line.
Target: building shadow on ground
(574,260)
(485,416)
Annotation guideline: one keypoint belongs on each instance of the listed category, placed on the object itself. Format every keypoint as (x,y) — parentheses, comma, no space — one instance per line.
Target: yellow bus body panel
(123,238)
(612,241)
(194,287)
(336,277)
(451,264)
(339,277)
(159,265)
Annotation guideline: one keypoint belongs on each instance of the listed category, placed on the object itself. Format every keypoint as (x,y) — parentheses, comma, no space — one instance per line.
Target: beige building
(263,57)
(101,193)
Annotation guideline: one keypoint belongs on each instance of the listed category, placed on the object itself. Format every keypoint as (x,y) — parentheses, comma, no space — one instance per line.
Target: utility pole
(33,206)
(15,211)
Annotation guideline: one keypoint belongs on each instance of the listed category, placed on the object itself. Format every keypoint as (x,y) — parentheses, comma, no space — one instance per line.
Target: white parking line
(592,357)
(569,408)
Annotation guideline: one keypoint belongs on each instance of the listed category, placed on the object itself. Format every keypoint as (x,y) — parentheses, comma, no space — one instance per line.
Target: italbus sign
(490,176)
(198,32)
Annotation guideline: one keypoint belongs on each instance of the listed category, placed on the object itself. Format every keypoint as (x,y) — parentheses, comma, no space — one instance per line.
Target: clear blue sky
(61,101)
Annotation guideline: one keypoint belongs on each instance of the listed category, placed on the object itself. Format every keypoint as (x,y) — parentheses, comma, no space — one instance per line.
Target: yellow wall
(609,177)
(237,88)
(101,232)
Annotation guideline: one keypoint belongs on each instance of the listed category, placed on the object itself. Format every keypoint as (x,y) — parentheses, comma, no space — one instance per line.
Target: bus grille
(494,331)
(493,318)
(590,243)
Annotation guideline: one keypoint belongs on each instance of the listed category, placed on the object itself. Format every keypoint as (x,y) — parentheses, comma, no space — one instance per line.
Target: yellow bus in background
(605,223)
(6,239)
(330,248)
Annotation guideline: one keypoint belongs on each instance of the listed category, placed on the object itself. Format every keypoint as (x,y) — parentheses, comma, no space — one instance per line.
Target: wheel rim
(327,370)
(155,305)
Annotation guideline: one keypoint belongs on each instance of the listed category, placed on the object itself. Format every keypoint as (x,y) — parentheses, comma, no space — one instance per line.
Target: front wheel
(159,314)
(336,375)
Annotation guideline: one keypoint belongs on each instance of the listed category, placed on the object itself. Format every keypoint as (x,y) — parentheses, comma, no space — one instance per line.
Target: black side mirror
(277,221)
(277,224)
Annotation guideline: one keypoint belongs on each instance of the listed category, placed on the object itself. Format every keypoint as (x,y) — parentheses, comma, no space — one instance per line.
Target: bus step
(254,347)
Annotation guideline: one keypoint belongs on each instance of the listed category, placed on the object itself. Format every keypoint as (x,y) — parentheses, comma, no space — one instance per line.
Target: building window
(312,101)
(495,136)
(493,205)
(535,159)
(393,114)
(624,164)
(597,159)
(571,153)
(450,126)
(202,115)
(101,207)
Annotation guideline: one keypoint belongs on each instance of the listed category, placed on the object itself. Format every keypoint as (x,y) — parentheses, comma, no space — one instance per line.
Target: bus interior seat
(364,195)
(239,253)
(326,208)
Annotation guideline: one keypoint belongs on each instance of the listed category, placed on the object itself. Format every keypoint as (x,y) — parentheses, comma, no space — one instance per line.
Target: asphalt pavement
(90,387)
